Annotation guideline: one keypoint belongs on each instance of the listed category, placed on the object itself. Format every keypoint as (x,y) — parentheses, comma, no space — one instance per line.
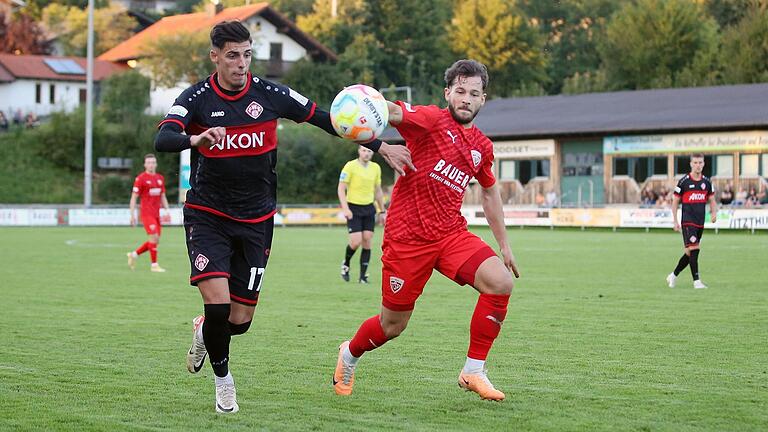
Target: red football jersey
(426,204)
(150,188)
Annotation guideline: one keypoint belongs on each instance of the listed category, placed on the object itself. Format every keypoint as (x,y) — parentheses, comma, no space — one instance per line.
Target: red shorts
(152,224)
(406,268)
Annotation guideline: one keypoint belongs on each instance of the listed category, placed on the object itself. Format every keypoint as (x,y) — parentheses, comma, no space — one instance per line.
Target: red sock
(153,252)
(369,336)
(143,248)
(486,323)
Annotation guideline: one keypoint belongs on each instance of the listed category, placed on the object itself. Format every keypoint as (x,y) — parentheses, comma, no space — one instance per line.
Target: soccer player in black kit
(230,120)
(694,190)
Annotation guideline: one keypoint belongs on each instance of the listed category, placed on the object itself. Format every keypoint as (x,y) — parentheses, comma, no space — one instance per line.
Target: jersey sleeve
(183,109)
(485,175)
(290,104)
(346,173)
(679,188)
(417,120)
(137,185)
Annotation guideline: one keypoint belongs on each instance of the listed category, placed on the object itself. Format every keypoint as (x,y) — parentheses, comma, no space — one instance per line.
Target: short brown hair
(466,68)
(150,155)
(229,31)
(697,155)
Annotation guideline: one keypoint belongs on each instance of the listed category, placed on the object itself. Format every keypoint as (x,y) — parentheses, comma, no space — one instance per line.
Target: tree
(497,34)
(744,54)
(650,43)
(728,12)
(572,29)
(125,96)
(21,35)
(112,25)
(182,57)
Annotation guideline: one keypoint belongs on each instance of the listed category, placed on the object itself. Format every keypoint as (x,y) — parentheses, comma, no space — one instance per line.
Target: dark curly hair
(466,68)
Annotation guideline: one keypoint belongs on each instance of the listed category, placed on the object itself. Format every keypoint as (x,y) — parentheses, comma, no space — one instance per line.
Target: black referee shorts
(221,247)
(363,218)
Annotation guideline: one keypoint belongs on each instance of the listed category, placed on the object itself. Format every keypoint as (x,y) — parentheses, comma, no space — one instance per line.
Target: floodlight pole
(88,192)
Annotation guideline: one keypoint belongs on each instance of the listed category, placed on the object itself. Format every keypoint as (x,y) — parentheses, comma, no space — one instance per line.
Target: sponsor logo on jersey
(692,239)
(453,137)
(691,186)
(298,97)
(254,110)
(248,140)
(697,196)
(476,157)
(395,284)
(201,262)
(217,114)
(677,189)
(155,191)
(178,110)
(343,176)
(408,107)
(703,186)
(450,176)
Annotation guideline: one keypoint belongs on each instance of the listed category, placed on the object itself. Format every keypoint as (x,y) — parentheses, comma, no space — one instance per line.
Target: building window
(507,169)
(52,94)
(583,164)
(659,166)
(683,165)
(621,166)
(83,93)
(38,93)
(724,166)
(765,164)
(750,165)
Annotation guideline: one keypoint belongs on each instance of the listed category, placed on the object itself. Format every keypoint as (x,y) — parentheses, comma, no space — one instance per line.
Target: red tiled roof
(32,66)
(132,48)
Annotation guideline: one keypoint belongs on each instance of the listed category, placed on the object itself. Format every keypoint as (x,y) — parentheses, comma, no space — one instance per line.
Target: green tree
(728,12)
(318,81)
(572,29)
(497,34)
(182,57)
(112,25)
(744,54)
(659,43)
(125,96)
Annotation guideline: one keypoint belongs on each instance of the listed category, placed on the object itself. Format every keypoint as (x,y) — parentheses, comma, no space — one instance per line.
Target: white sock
(348,358)
(224,380)
(473,366)
(134,254)
(155,264)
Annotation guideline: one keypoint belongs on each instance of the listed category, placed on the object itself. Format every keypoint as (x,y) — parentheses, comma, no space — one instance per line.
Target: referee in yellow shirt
(359,185)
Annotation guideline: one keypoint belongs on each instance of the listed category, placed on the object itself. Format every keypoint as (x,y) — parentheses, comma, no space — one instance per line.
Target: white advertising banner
(28,217)
(687,143)
(512,216)
(523,149)
(118,217)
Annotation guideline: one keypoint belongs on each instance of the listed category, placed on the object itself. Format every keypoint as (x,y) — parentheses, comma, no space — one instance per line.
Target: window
(83,95)
(38,93)
(683,165)
(765,164)
(275,51)
(659,166)
(620,166)
(641,169)
(507,169)
(750,165)
(724,166)
(583,164)
(52,94)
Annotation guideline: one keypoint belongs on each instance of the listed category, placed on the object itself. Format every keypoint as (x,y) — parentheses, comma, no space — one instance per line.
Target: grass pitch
(594,339)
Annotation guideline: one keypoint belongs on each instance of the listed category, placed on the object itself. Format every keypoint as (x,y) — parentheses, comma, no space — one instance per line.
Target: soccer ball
(359,113)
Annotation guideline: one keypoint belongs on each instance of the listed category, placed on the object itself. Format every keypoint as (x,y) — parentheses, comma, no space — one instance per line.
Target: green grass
(594,339)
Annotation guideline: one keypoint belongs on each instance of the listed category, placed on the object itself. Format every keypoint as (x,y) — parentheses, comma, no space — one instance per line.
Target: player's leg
(695,249)
(479,267)
(134,255)
(354,228)
(365,254)
(682,263)
(405,271)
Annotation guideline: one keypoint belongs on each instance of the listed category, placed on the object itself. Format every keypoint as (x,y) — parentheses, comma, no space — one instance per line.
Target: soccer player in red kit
(425,229)
(149,186)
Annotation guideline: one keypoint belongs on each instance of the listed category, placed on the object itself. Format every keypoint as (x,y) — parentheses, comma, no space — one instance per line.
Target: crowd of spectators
(18,120)
(662,198)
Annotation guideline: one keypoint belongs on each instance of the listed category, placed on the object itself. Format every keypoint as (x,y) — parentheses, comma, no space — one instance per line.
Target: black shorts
(691,235)
(363,218)
(221,247)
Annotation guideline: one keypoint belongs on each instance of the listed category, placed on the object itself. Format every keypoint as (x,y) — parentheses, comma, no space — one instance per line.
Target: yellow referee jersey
(361,181)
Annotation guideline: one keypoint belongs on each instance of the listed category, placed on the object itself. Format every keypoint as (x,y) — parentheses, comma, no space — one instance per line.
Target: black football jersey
(237,178)
(694,195)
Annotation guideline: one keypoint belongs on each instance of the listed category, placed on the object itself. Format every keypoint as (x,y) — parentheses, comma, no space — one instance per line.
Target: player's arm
(164,200)
(675,202)
(341,191)
(396,156)
(171,139)
(712,208)
(494,214)
(132,207)
(395,113)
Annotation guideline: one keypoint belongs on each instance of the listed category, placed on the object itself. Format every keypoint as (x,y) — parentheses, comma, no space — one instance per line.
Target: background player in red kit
(694,190)
(149,186)
(230,120)
(425,229)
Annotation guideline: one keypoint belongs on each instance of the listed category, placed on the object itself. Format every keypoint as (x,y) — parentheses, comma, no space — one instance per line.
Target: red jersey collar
(220,92)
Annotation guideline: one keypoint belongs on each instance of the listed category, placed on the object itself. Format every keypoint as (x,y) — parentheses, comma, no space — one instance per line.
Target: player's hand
(348,214)
(382,218)
(209,138)
(133,220)
(397,156)
(713,217)
(676,227)
(509,261)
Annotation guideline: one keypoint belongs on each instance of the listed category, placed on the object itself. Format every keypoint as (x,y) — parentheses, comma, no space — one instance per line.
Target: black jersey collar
(219,91)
